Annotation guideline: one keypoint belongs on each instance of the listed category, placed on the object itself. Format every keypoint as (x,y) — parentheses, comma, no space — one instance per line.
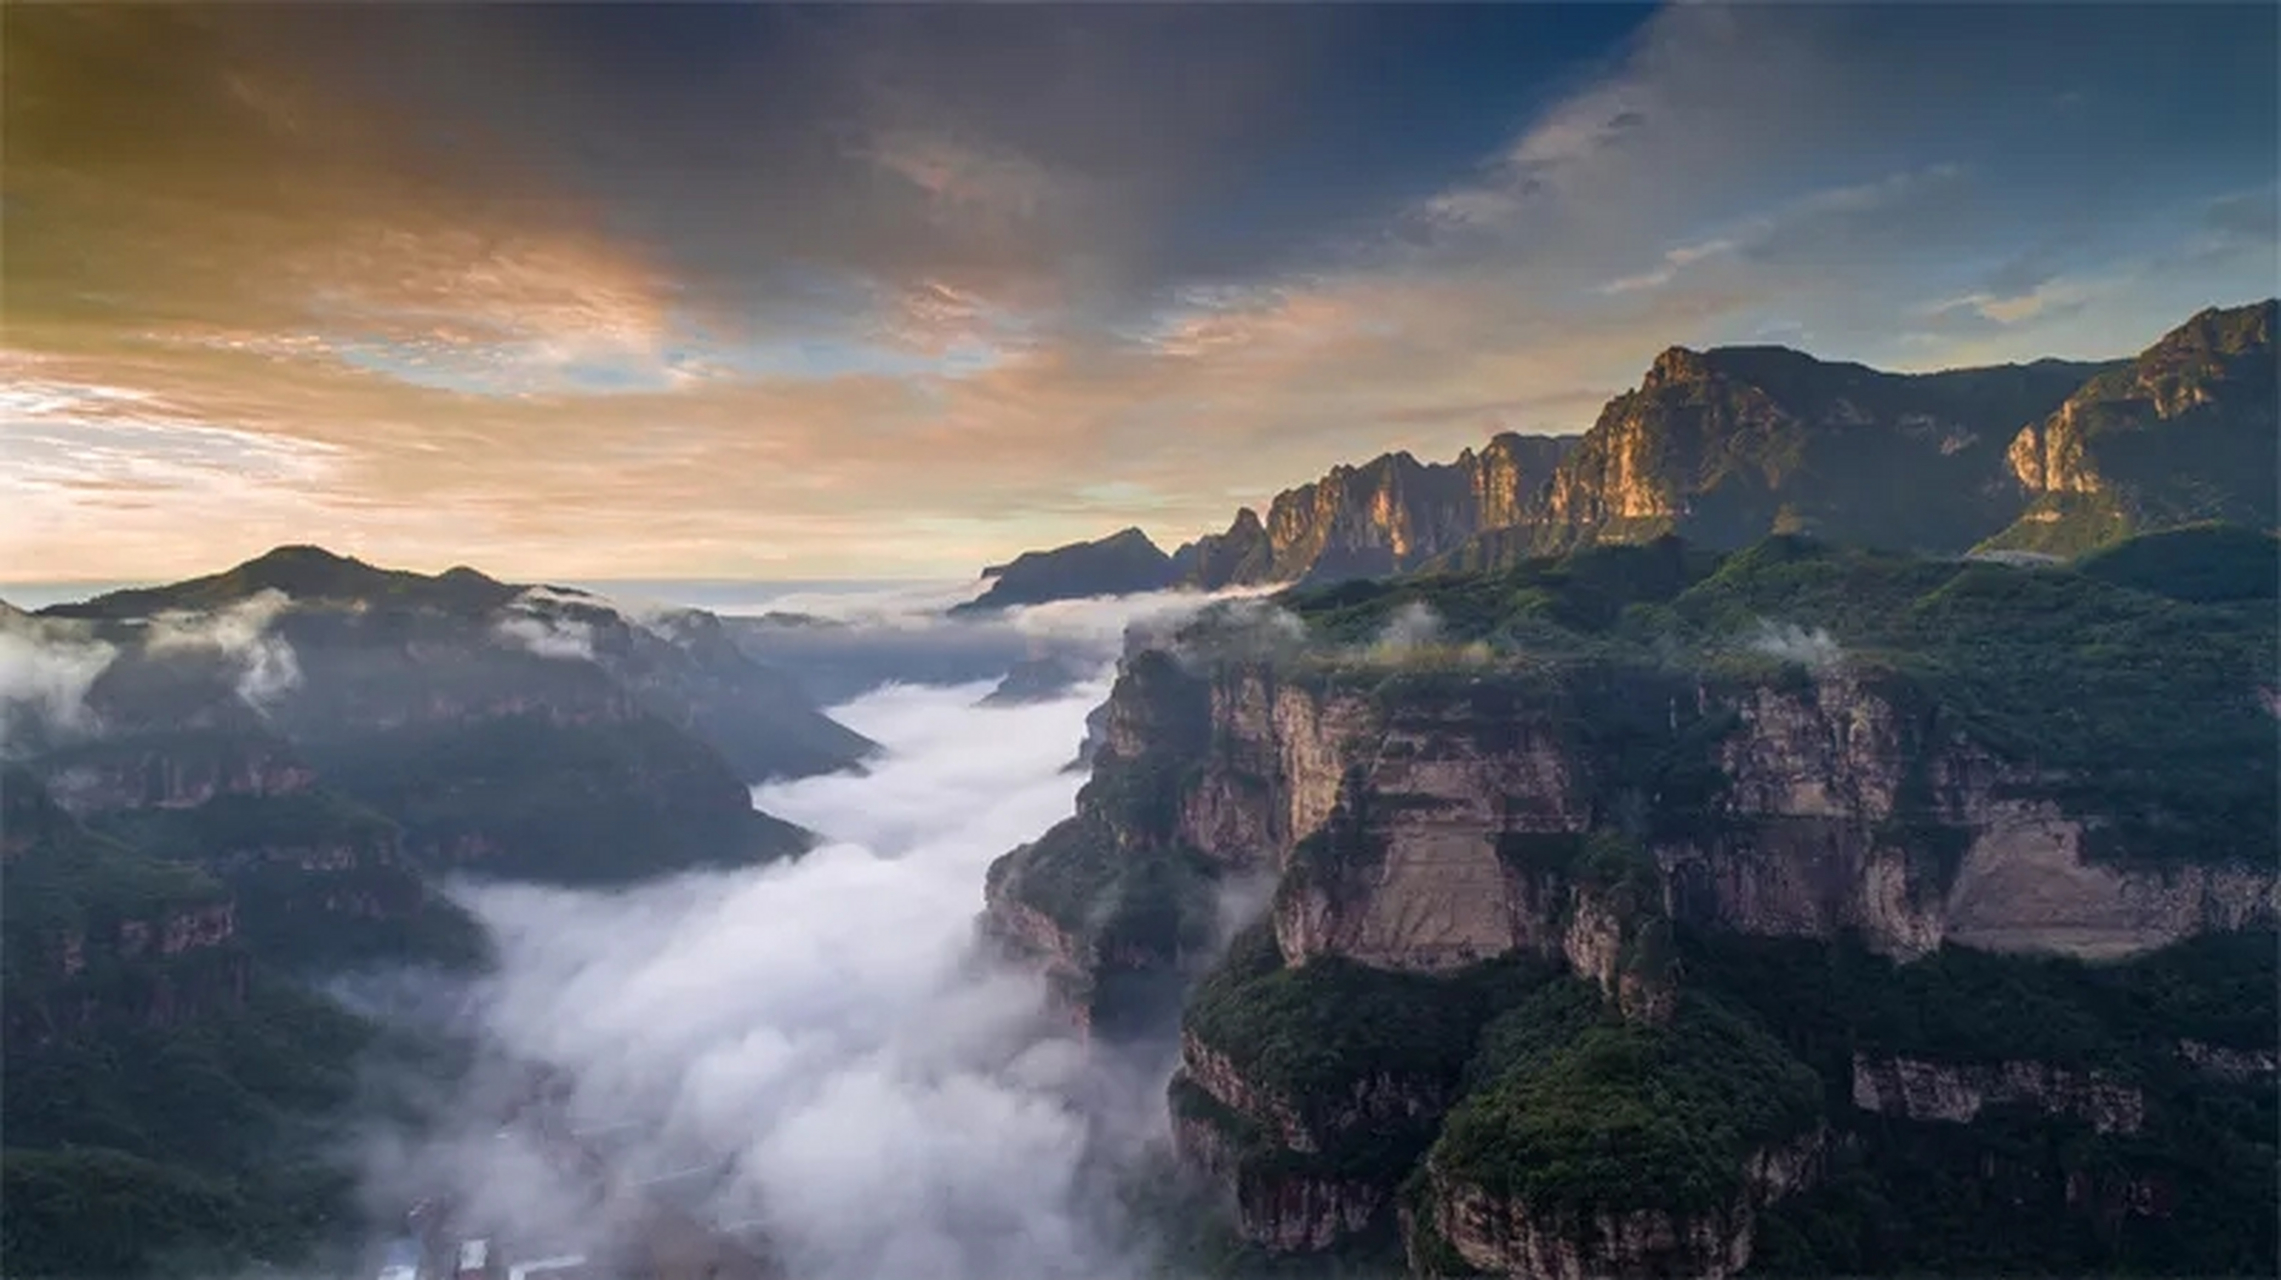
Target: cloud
(1412,626)
(46,669)
(267,666)
(1813,649)
(821,1042)
(531,622)
(625,341)
(966,180)
(561,638)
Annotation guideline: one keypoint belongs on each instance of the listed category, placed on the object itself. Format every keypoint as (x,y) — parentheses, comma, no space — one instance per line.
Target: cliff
(1388,515)
(96,932)
(1614,767)
(1726,446)
(1956,1093)
(2185,432)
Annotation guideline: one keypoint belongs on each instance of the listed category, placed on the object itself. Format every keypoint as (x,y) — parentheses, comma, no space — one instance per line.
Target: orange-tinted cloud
(884,310)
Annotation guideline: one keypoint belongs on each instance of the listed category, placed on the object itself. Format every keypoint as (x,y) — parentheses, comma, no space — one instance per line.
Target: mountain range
(1642,792)
(1726,446)
(1655,909)
(218,790)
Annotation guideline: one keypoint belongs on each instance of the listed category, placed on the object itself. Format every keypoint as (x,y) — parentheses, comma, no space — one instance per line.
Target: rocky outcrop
(1290,1171)
(1060,953)
(2236,1065)
(2183,432)
(1954,1093)
(1841,810)
(1728,445)
(161,969)
(175,773)
(1425,830)
(1301,1213)
(1390,514)
(1502,1235)
(1373,1102)
(184,929)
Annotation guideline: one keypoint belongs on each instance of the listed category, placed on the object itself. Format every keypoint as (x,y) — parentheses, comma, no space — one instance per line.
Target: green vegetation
(1311,1033)
(141,1144)
(569,803)
(1559,601)
(93,1212)
(2204,564)
(1152,900)
(2191,1193)
(2065,525)
(319,880)
(168,1097)
(1583,1111)
(2077,676)
(1958,1005)
(87,886)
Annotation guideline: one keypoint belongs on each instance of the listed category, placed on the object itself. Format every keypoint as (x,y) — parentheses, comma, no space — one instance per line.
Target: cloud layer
(964,281)
(820,1042)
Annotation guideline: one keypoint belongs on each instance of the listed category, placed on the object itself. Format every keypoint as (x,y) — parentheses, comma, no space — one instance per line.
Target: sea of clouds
(823,1049)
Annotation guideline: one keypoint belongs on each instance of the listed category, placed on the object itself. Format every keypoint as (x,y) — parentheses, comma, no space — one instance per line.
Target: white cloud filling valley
(822,1046)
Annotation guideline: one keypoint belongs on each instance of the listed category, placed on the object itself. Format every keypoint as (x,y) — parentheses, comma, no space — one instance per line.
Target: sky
(722,291)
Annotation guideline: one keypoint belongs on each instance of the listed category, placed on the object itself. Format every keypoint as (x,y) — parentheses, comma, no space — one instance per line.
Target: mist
(46,668)
(1814,649)
(242,634)
(821,1051)
(846,642)
(527,624)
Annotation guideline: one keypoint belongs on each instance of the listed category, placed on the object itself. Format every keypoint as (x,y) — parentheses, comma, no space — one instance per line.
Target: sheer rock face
(1422,827)
(1390,514)
(1505,1235)
(2184,432)
(1728,445)
(1291,1205)
(1956,1093)
(1830,793)
(1840,810)
(177,777)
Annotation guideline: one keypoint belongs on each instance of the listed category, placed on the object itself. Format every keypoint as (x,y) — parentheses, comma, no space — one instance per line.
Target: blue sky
(704,290)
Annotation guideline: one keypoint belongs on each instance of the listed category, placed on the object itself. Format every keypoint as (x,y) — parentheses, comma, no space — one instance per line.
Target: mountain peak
(2225,331)
(1677,364)
(1125,561)
(302,572)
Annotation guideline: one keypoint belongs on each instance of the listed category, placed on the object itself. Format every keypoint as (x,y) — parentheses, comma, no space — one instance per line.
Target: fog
(46,669)
(846,642)
(527,624)
(241,633)
(1814,649)
(822,1047)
